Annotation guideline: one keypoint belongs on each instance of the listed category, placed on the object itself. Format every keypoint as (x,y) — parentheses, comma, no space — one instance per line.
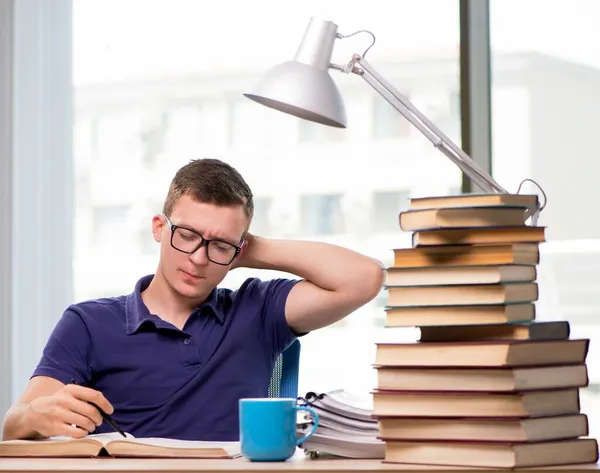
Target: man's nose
(200,257)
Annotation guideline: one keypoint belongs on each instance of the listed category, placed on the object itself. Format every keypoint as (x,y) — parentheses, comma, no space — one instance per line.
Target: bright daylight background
(159,83)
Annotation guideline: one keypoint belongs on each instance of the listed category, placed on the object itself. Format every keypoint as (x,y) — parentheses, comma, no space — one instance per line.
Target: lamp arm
(358,65)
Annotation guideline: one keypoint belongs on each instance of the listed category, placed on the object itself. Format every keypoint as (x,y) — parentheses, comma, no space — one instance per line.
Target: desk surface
(299,463)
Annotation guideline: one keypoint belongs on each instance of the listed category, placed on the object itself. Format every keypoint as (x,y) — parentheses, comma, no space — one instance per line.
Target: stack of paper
(346,427)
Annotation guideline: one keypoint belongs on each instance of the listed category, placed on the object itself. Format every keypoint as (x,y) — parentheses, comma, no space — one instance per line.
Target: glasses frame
(203,242)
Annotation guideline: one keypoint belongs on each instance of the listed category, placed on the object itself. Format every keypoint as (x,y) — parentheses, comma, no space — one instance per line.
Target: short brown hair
(211,181)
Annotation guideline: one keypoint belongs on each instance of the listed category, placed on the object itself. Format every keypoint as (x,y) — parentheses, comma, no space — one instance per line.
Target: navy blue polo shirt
(166,382)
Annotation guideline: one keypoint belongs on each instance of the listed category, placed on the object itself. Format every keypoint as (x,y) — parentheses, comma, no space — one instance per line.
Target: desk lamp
(303,87)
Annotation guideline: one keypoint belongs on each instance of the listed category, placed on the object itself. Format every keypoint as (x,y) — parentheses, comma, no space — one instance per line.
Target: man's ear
(158,223)
(243,247)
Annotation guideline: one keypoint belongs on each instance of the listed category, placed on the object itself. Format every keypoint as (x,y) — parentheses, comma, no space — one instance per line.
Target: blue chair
(284,381)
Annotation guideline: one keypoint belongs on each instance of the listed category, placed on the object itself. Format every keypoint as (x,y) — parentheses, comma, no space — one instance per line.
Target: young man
(172,358)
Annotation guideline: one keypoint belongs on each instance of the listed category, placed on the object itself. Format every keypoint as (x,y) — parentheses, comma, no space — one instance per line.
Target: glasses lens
(221,252)
(184,240)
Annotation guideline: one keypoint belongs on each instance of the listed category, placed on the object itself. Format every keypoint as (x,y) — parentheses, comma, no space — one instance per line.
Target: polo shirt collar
(136,312)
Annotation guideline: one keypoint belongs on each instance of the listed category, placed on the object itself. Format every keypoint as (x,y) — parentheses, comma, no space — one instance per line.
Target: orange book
(474,200)
(493,379)
(479,236)
(456,275)
(533,429)
(555,330)
(456,255)
(470,294)
(494,455)
(482,353)
(475,404)
(481,217)
(424,315)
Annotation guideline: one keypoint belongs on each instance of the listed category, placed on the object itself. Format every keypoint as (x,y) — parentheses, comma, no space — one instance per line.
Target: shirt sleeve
(275,293)
(66,354)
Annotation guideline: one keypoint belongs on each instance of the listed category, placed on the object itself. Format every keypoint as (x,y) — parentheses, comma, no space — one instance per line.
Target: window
(321,215)
(261,223)
(143,218)
(83,142)
(214,127)
(545,91)
(109,225)
(147,245)
(244,113)
(118,137)
(152,132)
(388,123)
(386,207)
(314,133)
(191,97)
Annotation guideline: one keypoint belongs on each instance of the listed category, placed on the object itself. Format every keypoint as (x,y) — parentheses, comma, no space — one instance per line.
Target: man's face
(194,275)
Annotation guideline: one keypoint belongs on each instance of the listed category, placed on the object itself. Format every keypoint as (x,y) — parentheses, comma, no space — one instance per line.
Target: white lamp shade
(301,90)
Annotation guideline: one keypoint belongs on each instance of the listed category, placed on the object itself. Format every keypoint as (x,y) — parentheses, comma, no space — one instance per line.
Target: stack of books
(486,385)
(345,428)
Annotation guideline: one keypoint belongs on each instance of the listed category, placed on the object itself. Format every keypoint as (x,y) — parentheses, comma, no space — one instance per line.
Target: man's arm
(17,423)
(337,280)
(48,407)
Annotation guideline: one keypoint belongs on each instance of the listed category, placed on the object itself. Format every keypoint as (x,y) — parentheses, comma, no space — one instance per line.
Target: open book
(113,444)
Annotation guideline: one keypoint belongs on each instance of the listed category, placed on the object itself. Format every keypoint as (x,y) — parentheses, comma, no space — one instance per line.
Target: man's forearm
(338,280)
(328,266)
(16,425)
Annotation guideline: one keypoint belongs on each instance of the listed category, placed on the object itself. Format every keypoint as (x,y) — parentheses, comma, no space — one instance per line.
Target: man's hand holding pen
(68,412)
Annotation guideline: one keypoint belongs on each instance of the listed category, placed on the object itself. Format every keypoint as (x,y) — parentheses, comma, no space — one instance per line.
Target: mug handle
(315,417)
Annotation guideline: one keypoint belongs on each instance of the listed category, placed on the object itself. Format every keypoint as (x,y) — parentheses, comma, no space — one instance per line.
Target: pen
(109,420)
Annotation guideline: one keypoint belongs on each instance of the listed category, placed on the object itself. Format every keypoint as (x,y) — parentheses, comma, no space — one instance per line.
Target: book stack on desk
(486,385)
(346,427)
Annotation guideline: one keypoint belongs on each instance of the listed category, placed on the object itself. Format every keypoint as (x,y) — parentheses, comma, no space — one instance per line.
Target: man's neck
(161,300)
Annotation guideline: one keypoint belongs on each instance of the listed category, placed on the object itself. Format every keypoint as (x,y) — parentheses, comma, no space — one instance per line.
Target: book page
(104,438)
(232,448)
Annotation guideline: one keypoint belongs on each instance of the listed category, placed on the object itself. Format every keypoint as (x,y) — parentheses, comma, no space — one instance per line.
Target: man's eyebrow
(226,240)
(187,227)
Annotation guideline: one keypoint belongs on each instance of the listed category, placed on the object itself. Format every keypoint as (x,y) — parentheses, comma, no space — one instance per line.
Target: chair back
(284,381)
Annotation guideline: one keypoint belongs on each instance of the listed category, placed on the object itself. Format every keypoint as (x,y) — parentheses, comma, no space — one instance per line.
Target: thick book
(534,429)
(482,379)
(479,236)
(457,255)
(481,354)
(457,275)
(424,315)
(466,294)
(474,200)
(114,445)
(475,404)
(478,217)
(493,455)
(556,330)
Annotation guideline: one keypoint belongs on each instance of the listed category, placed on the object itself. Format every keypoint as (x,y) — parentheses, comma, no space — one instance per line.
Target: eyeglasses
(189,241)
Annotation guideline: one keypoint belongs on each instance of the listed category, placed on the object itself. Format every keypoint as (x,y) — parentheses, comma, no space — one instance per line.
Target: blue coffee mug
(268,428)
